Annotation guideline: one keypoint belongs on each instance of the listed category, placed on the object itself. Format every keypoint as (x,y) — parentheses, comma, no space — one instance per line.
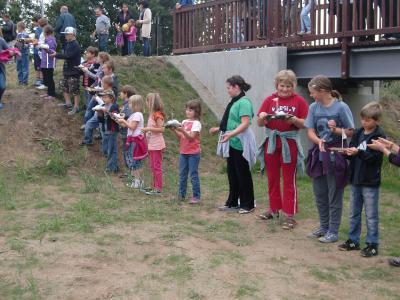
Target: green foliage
(83,11)
(20,10)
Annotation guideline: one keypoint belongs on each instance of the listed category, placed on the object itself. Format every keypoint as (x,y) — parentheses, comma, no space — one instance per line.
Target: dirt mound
(27,118)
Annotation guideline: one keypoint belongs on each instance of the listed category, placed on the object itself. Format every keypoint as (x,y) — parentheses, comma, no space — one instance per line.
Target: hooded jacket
(365,167)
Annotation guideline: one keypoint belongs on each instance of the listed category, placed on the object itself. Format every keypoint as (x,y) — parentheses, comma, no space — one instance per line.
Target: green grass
(64,198)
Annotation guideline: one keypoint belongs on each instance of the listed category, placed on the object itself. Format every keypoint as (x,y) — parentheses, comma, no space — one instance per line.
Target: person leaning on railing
(392,151)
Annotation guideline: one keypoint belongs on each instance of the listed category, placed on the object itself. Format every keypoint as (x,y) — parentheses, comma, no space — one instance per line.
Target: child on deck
(189,137)
(365,178)
(328,123)
(127,91)
(109,129)
(23,60)
(156,144)
(48,63)
(136,148)
(131,34)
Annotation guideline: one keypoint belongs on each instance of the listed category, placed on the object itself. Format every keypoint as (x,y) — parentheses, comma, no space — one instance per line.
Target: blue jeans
(131,47)
(23,68)
(91,124)
(189,163)
(146,47)
(89,113)
(103,42)
(2,84)
(305,20)
(131,163)
(109,147)
(369,197)
(88,97)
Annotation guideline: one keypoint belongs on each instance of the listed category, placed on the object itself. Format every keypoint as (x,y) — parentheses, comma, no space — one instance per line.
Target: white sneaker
(136,184)
(83,127)
(41,87)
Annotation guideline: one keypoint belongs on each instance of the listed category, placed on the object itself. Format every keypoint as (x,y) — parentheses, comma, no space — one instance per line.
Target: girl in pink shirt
(189,137)
(155,140)
(131,34)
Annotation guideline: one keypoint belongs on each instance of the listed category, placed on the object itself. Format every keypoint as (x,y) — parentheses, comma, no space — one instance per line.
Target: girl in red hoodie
(282,114)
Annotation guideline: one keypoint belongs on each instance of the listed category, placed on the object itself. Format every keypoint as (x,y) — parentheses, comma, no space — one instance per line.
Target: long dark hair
(239,81)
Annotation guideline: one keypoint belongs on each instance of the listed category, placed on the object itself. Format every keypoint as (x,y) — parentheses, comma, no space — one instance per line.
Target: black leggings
(240,181)
(48,80)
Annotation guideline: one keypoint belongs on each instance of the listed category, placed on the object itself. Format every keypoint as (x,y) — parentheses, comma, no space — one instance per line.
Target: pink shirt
(155,140)
(131,34)
(193,146)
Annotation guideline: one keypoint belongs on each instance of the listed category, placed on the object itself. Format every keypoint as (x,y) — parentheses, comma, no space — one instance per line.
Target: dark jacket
(395,159)
(107,123)
(72,57)
(365,167)
(123,20)
(9,31)
(63,21)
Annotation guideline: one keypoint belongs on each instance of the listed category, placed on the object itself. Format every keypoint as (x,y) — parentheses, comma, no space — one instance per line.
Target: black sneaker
(369,251)
(349,245)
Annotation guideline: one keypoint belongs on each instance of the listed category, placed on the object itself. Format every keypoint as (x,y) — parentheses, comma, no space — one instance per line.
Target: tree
(20,10)
(83,11)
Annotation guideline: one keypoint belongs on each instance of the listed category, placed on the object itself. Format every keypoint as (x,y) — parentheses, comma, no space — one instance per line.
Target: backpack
(119,40)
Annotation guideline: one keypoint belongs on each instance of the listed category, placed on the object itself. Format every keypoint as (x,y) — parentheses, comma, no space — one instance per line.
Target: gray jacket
(248,140)
(102,24)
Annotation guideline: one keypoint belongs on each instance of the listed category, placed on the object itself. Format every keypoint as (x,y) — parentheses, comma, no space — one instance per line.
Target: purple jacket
(323,163)
(395,159)
(49,62)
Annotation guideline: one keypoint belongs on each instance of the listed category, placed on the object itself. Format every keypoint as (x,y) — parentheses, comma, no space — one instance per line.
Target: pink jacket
(5,54)
(131,34)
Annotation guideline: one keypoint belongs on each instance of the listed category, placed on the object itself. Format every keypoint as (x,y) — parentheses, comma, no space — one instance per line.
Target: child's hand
(262,115)
(145,129)
(321,145)
(226,137)
(332,124)
(386,143)
(180,129)
(377,145)
(53,54)
(214,130)
(351,151)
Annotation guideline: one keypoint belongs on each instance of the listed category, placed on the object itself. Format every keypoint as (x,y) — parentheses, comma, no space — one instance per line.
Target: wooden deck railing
(232,24)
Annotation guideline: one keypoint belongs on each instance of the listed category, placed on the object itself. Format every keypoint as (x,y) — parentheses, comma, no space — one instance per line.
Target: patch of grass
(325,275)
(57,162)
(21,289)
(246,290)
(377,273)
(25,173)
(16,244)
(181,267)
(219,258)
(7,195)
(43,226)
(108,239)
(195,295)
(41,204)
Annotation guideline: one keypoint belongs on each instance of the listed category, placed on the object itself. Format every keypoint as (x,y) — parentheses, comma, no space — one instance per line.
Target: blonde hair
(136,103)
(372,110)
(104,56)
(323,83)
(286,77)
(155,103)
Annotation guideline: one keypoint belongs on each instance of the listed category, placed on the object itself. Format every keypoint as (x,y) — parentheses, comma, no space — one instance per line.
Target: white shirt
(138,117)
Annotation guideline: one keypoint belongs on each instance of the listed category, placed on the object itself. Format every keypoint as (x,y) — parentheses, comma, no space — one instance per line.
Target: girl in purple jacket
(48,62)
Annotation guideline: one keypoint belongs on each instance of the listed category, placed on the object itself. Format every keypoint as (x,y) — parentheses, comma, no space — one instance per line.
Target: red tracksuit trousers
(287,202)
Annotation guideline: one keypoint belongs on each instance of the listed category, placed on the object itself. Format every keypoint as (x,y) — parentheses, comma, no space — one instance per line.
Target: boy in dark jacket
(71,71)
(365,179)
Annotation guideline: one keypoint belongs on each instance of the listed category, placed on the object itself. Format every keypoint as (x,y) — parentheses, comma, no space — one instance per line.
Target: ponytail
(323,83)
(337,95)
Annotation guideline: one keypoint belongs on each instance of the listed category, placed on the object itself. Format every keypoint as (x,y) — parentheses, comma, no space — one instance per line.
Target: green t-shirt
(240,108)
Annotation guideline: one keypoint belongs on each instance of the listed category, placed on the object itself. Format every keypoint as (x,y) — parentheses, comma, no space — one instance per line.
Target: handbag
(119,40)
